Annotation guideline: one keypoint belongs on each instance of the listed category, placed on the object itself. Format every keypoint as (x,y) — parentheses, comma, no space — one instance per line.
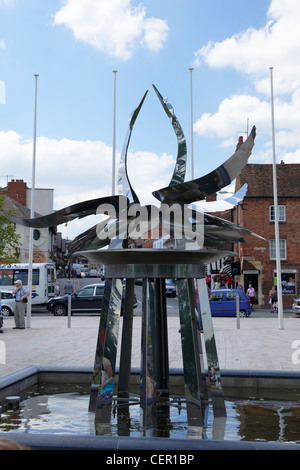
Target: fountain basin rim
(137,444)
(18,381)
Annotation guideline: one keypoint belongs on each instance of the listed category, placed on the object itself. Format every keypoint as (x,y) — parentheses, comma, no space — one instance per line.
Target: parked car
(8,303)
(170,288)
(93,273)
(87,300)
(223,303)
(296,304)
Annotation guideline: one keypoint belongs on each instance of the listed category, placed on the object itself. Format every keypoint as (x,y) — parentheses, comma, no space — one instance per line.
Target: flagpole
(278,264)
(32,212)
(191,118)
(114,137)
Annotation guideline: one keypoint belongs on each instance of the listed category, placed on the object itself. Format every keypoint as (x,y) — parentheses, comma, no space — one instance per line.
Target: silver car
(296,304)
(8,304)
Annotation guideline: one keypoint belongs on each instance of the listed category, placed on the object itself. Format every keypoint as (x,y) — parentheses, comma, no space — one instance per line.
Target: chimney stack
(16,189)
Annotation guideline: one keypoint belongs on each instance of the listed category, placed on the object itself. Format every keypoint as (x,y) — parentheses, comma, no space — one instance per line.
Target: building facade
(256,213)
(18,199)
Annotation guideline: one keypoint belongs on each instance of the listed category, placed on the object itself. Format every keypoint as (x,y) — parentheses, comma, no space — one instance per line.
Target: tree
(9,239)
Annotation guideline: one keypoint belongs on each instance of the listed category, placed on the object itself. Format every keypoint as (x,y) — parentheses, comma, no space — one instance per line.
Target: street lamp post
(114,137)
(191,118)
(278,264)
(32,212)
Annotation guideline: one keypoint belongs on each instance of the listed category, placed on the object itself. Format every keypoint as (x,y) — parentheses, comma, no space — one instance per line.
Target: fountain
(118,242)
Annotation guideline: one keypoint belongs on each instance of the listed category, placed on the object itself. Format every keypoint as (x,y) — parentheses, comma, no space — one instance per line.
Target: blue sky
(74,46)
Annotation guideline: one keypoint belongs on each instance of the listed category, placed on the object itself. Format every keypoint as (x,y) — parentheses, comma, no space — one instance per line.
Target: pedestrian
(251,294)
(270,297)
(274,301)
(22,295)
(240,287)
(68,289)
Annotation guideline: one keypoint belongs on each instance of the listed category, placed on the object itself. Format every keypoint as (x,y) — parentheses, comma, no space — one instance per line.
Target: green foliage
(9,239)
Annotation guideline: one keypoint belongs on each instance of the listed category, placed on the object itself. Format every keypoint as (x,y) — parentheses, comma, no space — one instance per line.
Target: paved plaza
(258,344)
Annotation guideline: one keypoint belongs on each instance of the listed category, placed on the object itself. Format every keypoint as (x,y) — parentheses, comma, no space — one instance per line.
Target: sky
(75,45)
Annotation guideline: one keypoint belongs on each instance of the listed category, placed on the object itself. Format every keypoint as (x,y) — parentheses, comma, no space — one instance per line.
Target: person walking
(270,297)
(68,289)
(240,287)
(21,294)
(274,302)
(251,294)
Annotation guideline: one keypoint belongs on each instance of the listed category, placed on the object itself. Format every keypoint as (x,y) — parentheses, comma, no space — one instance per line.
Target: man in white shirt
(21,294)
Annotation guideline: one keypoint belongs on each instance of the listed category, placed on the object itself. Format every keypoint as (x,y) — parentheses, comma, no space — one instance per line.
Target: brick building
(256,212)
(18,199)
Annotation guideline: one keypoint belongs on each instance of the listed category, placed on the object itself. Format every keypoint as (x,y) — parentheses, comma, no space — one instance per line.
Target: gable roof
(259,178)
(19,209)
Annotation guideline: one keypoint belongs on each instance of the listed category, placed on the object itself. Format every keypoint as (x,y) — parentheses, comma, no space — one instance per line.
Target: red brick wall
(16,189)
(255,217)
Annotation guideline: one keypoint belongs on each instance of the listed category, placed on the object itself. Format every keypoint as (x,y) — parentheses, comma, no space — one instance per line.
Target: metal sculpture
(199,238)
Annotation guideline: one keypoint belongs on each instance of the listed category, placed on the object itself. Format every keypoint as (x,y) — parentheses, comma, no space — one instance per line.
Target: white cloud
(6,3)
(79,170)
(233,113)
(252,53)
(114,27)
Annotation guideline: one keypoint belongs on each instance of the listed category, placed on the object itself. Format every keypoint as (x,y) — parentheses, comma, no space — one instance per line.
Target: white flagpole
(32,212)
(278,264)
(191,118)
(114,138)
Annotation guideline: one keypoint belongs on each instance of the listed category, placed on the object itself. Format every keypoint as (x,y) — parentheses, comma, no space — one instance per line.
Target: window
(232,296)
(217,296)
(36,234)
(282,249)
(281,213)
(86,292)
(99,290)
(22,274)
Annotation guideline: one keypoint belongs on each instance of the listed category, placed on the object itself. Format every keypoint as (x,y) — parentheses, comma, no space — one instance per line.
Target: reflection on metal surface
(154,360)
(180,166)
(76,211)
(124,184)
(107,336)
(198,189)
(192,376)
(214,374)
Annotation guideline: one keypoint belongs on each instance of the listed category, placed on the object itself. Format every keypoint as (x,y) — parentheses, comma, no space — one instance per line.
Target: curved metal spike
(124,185)
(180,166)
(198,189)
(79,210)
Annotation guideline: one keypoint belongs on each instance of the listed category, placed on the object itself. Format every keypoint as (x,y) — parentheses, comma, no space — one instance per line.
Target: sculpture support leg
(211,351)
(108,335)
(100,346)
(161,340)
(197,343)
(155,356)
(126,344)
(190,369)
(148,382)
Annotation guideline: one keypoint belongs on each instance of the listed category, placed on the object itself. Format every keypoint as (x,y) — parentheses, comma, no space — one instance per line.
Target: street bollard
(69,311)
(237,300)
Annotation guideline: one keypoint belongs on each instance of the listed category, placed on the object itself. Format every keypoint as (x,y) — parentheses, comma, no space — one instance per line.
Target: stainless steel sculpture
(199,240)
